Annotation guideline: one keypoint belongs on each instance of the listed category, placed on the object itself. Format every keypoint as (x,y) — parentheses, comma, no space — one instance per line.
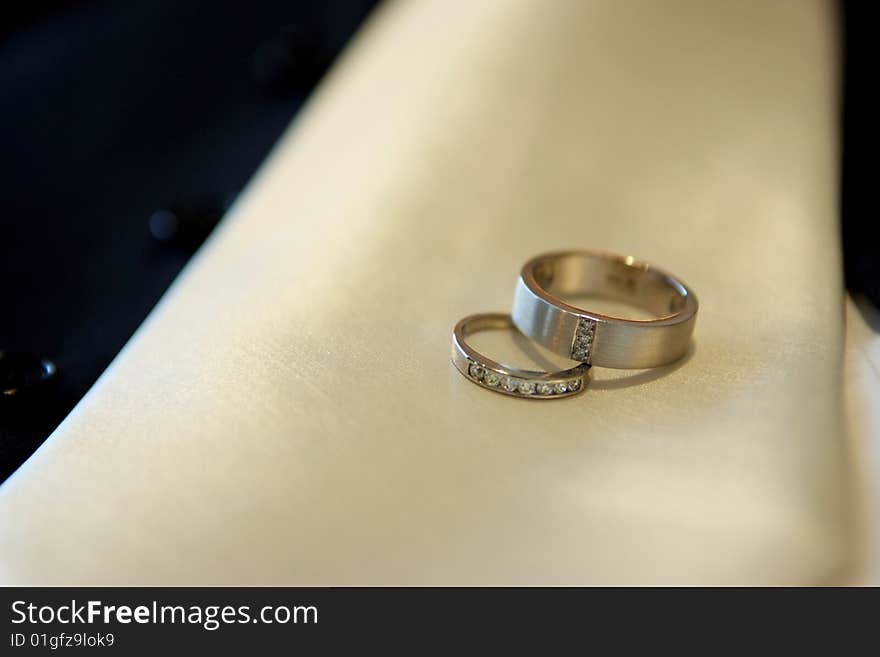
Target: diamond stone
(510,384)
(527,387)
(559,387)
(492,378)
(583,339)
(476,371)
(573,385)
(544,388)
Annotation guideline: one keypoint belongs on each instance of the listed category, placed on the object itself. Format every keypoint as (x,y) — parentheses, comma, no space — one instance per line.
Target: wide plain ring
(590,337)
(503,378)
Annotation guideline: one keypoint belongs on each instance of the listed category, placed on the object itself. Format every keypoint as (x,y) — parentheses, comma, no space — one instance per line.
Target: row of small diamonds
(583,339)
(521,386)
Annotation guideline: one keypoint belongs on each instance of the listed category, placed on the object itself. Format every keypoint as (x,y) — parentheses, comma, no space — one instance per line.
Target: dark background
(126,128)
(112,113)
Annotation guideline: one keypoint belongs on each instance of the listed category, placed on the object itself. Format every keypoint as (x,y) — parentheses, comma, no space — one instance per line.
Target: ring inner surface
(618,279)
(487,322)
(496,334)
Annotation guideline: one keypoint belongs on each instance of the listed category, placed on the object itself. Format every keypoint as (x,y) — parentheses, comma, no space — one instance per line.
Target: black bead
(22,374)
(187,224)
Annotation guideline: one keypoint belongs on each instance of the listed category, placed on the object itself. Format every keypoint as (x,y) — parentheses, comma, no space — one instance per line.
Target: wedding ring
(503,378)
(594,338)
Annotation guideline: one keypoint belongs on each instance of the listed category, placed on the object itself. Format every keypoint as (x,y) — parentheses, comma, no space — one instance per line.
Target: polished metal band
(503,378)
(579,334)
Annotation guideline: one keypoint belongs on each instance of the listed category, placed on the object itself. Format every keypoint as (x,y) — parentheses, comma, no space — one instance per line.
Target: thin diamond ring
(504,378)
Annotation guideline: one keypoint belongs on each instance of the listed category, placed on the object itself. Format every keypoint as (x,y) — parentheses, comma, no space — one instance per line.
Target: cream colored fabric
(288,413)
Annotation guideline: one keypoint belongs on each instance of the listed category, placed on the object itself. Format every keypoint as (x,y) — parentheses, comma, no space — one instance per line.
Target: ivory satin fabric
(288,413)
